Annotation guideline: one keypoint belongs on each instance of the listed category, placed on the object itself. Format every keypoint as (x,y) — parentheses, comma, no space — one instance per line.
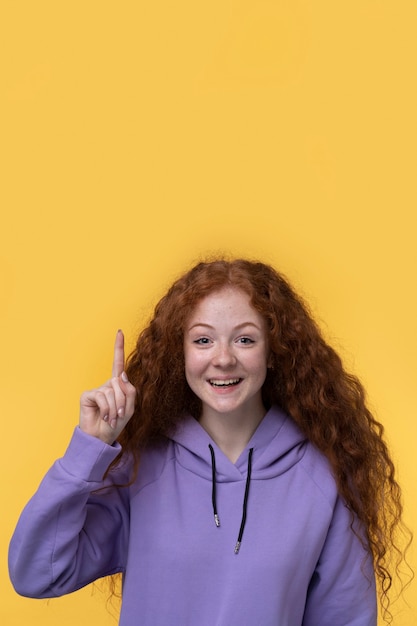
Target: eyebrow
(242,325)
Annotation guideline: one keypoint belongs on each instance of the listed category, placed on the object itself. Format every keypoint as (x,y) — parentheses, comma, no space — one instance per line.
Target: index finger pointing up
(119,354)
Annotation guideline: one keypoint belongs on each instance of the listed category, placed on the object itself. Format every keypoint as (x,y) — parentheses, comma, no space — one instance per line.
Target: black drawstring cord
(245,499)
(245,503)
(213,485)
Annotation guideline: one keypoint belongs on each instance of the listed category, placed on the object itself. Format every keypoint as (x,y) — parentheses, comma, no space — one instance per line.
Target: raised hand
(105,411)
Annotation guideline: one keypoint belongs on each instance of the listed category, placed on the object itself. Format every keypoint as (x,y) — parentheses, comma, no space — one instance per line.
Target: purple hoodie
(299,562)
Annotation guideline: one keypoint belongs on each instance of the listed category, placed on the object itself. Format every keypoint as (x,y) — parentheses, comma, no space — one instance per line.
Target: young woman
(231,471)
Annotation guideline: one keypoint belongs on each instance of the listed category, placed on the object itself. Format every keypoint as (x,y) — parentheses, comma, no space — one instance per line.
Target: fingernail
(124,377)
(105,418)
(120,412)
(113,423)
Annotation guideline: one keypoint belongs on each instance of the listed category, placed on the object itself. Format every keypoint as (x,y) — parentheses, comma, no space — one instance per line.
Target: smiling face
(226,353)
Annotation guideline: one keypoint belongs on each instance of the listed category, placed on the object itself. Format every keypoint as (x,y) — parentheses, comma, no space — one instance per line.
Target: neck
(232,431)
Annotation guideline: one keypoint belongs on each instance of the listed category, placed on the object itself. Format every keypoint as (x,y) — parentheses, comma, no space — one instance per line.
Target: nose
(224,356)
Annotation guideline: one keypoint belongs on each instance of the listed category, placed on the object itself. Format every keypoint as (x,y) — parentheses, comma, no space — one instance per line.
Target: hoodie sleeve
(67,536)
(342,589)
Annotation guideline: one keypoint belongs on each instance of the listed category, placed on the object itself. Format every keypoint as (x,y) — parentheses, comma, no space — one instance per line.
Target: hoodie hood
(277,445)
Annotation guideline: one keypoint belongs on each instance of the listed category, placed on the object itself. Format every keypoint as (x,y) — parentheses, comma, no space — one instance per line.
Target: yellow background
(137,137)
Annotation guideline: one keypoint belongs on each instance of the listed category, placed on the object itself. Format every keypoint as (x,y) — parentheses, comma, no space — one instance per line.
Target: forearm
(64,537)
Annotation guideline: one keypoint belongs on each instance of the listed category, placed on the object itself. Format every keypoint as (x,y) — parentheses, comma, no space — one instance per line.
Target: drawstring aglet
(237,547)
(216,520)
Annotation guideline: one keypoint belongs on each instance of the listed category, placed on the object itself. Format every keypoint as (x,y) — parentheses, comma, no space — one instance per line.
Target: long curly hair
(306,379)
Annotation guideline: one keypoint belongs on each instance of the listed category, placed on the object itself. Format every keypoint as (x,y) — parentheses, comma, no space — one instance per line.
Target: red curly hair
(307,379)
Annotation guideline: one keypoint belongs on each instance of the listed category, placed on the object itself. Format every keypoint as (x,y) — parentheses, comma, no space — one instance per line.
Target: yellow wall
(137,137)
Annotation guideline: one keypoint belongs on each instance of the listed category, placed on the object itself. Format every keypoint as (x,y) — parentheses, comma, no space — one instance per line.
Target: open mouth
(224,383)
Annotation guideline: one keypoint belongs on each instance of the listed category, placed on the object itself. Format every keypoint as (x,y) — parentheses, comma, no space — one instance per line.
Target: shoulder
(152,462)
(318,472)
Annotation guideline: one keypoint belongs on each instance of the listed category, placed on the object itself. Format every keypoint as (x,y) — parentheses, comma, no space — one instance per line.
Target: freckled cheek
(195,364)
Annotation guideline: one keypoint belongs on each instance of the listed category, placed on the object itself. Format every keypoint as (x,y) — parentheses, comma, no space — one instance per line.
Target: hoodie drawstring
(245,503)
(245,498)
(213,486)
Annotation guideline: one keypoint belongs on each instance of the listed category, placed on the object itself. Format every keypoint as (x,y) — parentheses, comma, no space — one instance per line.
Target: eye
(202,341)
(245,340)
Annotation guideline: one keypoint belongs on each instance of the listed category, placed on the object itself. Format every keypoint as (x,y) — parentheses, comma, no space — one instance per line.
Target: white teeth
(224,383)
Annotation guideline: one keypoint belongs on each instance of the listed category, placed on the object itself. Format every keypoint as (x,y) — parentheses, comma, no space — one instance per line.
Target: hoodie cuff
(87,458)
